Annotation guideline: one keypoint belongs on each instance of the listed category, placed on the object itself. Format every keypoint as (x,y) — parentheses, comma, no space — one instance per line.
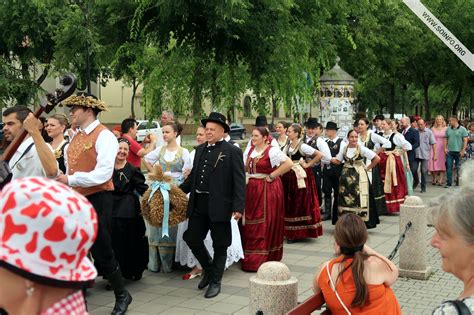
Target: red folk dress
(263,225)
(302,212)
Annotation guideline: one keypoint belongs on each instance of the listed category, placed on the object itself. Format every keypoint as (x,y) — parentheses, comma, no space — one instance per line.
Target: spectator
(423,152)
(437,166)
(167,116)
(43,261)
(470,142)
(117,131)
(413,136)
(453,220)
(129,131)
(414,121)
(359,280)
(455,147)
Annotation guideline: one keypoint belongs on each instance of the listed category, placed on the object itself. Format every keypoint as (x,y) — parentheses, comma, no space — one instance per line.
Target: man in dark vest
(313,137)
(332,171)
(90,160)
(217,187)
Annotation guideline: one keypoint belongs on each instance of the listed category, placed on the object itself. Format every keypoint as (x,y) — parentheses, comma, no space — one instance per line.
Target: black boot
(218,266)
(326,213)
(122,296)
(202,255)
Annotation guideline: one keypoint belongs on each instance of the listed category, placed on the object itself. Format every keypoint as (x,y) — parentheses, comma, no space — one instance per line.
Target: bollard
(273,290)
(414,248)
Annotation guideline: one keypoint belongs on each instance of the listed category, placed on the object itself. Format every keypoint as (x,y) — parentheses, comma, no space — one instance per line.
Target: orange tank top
(382,300)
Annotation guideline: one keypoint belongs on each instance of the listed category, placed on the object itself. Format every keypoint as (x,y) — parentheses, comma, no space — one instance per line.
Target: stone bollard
(273,290)
(414,248)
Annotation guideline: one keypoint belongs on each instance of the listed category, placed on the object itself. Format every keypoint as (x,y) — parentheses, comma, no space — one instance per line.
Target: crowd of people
(242,205)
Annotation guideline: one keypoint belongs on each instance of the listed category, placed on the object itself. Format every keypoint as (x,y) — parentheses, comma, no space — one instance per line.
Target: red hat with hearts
(47,229)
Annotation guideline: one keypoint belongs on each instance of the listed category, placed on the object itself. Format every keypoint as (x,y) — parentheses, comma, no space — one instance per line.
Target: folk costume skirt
(356,194)
(302,212)
(264,223)
(393,176)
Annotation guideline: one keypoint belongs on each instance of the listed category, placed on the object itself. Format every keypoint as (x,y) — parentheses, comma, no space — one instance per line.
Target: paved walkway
(168,294)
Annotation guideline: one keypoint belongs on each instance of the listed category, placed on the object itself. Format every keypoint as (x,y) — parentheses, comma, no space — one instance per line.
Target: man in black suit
(217,187)
(412,135)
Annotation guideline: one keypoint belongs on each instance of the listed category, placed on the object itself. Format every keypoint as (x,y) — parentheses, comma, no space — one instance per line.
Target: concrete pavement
(168,294)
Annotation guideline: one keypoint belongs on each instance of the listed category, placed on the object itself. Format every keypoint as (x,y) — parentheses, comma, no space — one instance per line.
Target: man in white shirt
(34,157)
(90,160)
(166,117)
(313,137)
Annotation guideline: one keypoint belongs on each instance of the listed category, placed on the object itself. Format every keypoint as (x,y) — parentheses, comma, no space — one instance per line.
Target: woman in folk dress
(302,212)
(263,228)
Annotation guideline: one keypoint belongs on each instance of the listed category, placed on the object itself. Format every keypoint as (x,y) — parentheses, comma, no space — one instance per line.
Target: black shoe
(290,241)
(202,255)
(213,290)
(122,301)
(423,190)
(206,278)
(326,210)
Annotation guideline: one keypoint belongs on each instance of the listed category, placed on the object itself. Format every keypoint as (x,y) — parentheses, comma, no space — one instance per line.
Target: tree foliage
(186,53)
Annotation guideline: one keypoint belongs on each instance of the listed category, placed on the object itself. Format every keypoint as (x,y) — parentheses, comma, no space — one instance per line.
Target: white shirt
(399,141)
(106,147)
(276,156)
(364,152)
(378,140)
(154,156)
(323,148)
(235,143)
(30,164)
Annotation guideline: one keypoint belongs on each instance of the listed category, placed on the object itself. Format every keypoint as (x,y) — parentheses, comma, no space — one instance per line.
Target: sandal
(191,275)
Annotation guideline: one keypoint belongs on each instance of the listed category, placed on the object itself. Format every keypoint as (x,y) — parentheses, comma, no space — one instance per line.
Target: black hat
(312,123)
(331,125)
(379,117)
(217,118)
(261,121)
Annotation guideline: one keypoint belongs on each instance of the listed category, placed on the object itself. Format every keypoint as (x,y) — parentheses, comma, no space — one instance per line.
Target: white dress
(184,255)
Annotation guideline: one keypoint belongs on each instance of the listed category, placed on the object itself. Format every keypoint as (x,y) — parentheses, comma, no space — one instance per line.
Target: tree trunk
(392,100)
(457,100)
(132,101)
(274,109)
(426,87)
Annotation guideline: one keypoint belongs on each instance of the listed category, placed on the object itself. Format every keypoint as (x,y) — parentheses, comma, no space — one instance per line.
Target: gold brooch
(87,146)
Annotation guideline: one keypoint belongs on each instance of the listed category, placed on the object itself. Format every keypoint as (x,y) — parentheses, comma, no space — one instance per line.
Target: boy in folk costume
(90,160)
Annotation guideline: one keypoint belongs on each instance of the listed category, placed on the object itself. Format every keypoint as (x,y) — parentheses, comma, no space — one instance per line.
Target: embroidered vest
(82,157)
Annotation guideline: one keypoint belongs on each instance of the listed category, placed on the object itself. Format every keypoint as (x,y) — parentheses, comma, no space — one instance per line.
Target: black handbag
(461,308)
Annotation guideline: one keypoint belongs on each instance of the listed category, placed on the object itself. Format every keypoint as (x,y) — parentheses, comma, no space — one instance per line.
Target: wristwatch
(271,177)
